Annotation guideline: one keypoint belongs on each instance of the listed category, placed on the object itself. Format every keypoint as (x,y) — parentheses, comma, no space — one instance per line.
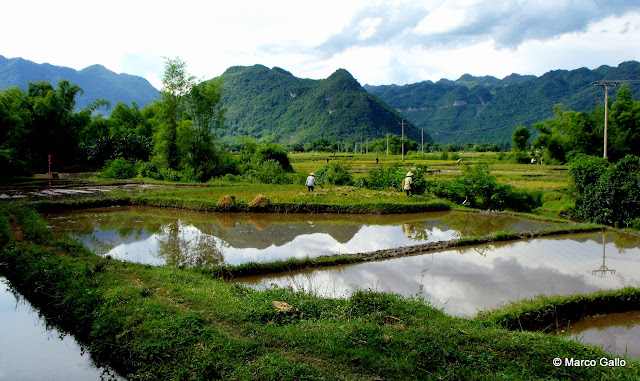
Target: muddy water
(31,350)
(615,333)
(470,279)
(182,238)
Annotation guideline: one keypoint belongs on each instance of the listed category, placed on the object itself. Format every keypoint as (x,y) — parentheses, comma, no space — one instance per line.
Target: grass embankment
(552,313)
(281,199)
(166,323)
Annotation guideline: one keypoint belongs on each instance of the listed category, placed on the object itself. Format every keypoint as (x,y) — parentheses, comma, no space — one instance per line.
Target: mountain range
(96,81)
(273,105)
(488,110)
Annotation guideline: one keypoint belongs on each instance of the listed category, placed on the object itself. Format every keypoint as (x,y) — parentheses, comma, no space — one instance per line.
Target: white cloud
(379,42)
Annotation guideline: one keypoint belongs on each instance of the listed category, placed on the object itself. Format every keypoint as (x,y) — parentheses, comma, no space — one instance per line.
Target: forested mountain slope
(488,110)
(96,81)
(274,105)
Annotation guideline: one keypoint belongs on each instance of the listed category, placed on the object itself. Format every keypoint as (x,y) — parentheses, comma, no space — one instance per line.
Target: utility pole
(402,139)
(603,269)
(387,144)
(422,147)
(607,85)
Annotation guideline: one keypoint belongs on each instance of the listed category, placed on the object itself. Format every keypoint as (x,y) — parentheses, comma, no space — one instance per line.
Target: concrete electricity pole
(402,139)
(607,85)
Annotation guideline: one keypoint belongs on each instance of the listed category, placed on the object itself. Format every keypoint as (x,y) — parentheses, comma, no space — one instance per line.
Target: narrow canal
(32,350)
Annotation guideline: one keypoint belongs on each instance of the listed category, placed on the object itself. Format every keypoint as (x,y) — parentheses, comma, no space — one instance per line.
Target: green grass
(166,323)
(552,313)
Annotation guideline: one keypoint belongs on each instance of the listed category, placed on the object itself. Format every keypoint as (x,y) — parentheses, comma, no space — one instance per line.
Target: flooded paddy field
(466,280)
(183,238)
(460,281)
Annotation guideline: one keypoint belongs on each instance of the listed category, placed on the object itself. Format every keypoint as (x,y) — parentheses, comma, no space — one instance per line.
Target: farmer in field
(406,183)
(311,182)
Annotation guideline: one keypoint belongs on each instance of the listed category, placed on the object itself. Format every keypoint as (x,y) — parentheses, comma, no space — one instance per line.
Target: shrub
(150,169)
(269,172)
(119,169)
(335,173)
(606,193)
(477,188)
(391,176)
(517,157)
(385,176)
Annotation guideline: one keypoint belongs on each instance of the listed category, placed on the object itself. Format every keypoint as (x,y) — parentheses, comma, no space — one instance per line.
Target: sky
(378,42)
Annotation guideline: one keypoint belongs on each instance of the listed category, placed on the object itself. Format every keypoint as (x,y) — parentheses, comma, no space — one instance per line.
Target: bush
(385,176)
(150,169)
(269,172)
(119,169)
(517,157)
(477,188)
(335,173)
(606,193)
(391,176)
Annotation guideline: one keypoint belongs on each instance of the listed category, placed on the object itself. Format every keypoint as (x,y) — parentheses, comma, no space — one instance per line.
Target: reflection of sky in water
(160,236)
(368,238)
(144,249)
(463,283)
(609,332)
(31,351)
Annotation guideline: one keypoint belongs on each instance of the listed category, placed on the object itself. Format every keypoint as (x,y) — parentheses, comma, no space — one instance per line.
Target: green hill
(274,105)
(488,110)
(96,81)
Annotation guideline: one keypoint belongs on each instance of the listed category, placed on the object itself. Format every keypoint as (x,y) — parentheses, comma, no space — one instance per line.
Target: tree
(176,84)
(54,129)
(205,103)
(625,125)
(520,138)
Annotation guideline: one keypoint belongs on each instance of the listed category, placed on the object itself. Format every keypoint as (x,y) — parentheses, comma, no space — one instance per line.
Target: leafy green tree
(185,119)
(54,129)
(607,193)
(395,145)
(625,125)
(176,85)
(205,104)
(14,132)
(520,138)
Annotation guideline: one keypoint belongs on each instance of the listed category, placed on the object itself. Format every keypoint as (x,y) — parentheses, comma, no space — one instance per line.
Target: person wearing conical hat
(406,183)
(311,182)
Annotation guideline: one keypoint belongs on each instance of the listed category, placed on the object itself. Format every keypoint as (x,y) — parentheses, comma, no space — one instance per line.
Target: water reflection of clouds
(32,350)
(617,340)
(464,284)
(368,238)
